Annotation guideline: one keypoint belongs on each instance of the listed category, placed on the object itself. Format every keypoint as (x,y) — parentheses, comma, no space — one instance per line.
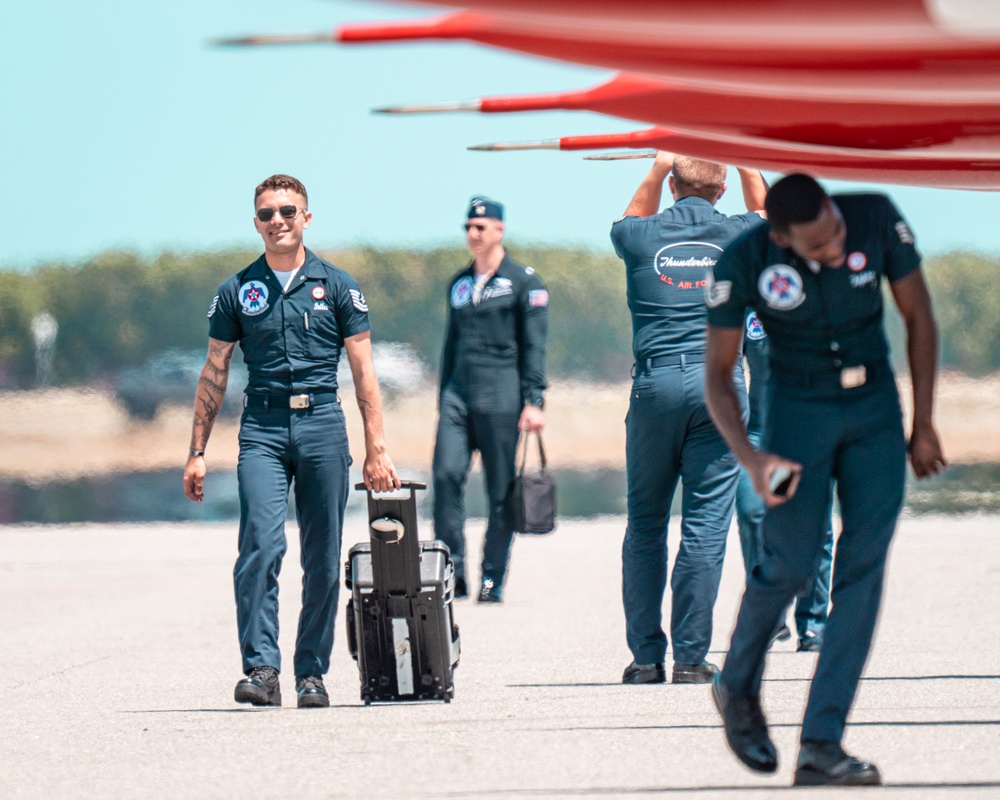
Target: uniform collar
(312,268)
(503,268)
(258,270)
(790,257)
(694,200)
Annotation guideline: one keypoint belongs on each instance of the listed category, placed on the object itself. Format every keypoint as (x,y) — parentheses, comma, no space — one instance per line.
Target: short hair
(692,176)
(276,182)
(793,200)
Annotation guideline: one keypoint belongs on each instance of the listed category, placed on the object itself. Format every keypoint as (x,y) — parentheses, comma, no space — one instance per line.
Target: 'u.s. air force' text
(665,262)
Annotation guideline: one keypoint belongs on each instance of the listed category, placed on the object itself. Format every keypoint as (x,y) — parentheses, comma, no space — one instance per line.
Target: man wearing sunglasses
(492,385)
(292,314)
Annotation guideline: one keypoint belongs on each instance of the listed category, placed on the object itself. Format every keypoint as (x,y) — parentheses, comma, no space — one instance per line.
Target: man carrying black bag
(492,385)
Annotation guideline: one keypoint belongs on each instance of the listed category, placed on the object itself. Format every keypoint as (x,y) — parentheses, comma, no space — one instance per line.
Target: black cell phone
(784,482)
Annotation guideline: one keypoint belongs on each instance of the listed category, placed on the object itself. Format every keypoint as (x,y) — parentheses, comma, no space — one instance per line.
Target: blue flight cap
(480,207)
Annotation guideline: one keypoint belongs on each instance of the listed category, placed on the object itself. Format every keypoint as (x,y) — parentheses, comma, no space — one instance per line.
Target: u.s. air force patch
(213,306)
(755,330)
(253,298)
(461,292)
(358,300)
(781,287)
(716,292)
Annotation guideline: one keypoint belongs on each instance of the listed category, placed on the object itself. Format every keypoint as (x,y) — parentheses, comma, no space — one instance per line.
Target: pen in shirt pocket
(305,316)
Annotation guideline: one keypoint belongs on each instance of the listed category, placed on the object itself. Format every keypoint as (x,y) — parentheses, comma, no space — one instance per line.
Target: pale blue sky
(124,128)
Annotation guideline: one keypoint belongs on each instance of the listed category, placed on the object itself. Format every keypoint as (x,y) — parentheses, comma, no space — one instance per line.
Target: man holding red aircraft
(669,436)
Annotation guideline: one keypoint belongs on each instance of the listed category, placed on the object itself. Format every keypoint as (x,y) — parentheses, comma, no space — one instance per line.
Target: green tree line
(120,309)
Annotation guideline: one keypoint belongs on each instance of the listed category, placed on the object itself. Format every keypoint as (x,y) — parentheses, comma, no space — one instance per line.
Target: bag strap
(524,451)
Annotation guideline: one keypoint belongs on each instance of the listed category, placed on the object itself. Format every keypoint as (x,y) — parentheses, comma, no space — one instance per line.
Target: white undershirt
(286,278)
(477,289)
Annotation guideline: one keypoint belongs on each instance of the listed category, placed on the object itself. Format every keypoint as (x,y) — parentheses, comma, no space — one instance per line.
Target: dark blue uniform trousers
(277,445)
(812,606)
(462,430)
(670,436)
(856,438)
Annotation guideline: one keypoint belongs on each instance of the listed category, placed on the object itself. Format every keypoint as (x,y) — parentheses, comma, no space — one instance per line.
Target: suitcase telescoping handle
(392,524)
(402,485)
(387,529)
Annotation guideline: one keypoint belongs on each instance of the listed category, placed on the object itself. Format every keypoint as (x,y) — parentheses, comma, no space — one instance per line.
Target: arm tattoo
(211,390)
(216,370)
(212,385)
(226,352)
(211,408)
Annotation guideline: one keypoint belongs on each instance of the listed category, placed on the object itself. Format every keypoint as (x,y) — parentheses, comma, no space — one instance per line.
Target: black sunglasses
(287,212)
(479,226)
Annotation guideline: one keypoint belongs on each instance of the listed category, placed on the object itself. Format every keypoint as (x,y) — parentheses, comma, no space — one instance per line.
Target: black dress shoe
(461,589)
(312,692)
(693,673)
(783,634)
(810,642)
(746,728)
(826,764)
(490,592)
(644,673)
(259,688)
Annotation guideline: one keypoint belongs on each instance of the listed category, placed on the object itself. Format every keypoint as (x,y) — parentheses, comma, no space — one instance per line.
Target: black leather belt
(680,360)
(293,401)
(674,361)
(844,378)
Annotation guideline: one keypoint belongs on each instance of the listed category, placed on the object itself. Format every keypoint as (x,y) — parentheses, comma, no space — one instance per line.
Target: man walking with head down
(814,276)
(292,314)
(669,435)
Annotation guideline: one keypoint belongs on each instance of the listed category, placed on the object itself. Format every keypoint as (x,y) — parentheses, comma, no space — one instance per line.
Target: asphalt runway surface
(119,658)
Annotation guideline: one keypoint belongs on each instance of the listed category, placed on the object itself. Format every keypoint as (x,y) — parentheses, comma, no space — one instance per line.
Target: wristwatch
(535,401)
(196,452)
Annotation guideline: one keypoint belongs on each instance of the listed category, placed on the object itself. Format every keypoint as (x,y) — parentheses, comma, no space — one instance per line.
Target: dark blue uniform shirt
(291,341)
(668,258)
(817,319)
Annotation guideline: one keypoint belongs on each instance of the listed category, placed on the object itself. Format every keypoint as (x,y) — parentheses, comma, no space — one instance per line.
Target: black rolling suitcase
(400,625)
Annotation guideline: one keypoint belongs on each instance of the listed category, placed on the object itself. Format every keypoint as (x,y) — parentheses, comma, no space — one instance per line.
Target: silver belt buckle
(302,400)
(853,377)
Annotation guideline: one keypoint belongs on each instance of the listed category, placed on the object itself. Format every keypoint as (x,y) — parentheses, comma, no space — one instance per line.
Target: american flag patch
(538,297)
(358,300)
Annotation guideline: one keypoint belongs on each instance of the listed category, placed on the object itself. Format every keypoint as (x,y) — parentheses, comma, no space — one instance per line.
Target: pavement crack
(58,672)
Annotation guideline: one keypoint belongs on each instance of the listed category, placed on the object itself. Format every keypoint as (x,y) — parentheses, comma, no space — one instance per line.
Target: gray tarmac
(119,657)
